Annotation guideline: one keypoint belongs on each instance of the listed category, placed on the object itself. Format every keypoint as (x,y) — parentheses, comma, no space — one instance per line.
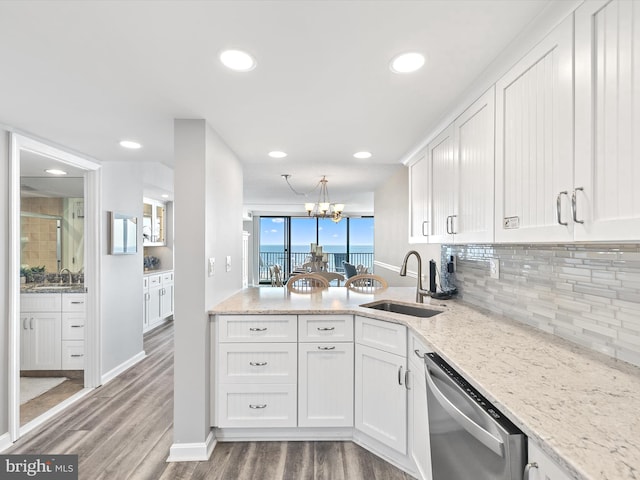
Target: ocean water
(325,248)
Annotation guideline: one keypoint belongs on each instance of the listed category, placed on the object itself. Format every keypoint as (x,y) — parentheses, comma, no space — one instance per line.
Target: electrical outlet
(212,266)
(228,263)
(494,268)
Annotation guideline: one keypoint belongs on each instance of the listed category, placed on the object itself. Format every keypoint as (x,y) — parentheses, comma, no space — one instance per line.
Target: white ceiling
(88,74)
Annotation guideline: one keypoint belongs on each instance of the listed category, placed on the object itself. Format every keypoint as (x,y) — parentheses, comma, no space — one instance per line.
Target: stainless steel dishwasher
(470,438)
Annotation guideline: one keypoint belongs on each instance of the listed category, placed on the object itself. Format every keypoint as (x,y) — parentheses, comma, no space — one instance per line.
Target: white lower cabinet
(40,341)
(157,291)
(543,467)
(418,421)
(380,376)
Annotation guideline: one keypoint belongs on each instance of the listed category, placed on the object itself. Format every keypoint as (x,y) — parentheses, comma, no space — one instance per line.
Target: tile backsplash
(588,294)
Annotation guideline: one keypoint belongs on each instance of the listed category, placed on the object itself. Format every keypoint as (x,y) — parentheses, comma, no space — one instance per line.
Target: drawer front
(72,355)
(319,328)
(154,280)
(257,363)
(415,357)
(257,406)
(258,328)
(40,302)
(73,326)
(167,278)
(385,336)
(74,302)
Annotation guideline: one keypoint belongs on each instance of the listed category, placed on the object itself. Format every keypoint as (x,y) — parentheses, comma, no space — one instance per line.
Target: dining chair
(366,282)
(306,283)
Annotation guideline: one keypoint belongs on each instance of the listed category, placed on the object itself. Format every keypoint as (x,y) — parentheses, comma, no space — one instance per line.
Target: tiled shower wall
(588,294)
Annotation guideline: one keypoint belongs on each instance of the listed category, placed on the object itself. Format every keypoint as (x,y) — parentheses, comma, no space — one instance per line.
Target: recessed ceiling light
(130,144)
(277,154)
(237,60)
(164,195)
(55,171)
(362,155)
(407,62)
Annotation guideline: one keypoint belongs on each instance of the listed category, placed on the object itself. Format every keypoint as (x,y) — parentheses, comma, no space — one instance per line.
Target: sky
(303,231)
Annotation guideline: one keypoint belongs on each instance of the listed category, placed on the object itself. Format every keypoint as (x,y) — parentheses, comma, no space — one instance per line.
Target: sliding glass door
(274,246)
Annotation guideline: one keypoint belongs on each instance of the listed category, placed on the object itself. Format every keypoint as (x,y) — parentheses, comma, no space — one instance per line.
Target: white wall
(208,223)
(391,204)
(4,279)
(121,275)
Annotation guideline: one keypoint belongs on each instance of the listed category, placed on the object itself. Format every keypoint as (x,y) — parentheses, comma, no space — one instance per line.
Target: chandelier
(323,208)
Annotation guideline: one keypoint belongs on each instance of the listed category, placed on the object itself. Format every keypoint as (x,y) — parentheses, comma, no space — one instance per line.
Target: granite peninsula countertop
(581,407)
(53,288)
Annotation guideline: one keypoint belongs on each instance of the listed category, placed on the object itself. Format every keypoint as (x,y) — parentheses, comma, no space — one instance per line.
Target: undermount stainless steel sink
(402,308)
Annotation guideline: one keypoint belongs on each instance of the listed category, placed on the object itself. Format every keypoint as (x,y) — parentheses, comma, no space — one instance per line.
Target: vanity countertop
(580,406)
(37,288)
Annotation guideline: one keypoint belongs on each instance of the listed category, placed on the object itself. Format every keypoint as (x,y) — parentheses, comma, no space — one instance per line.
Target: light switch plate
(494,268)
(212,266)
(228,263)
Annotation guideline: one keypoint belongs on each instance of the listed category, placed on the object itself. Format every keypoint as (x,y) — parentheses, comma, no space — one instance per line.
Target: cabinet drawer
(257,363)
(415,343)
(386,336)
(73,326)
(72,355)
(258,328)
(167,278)
(318,328)
(154,280)
(257,406)
(40,302)
(74,302)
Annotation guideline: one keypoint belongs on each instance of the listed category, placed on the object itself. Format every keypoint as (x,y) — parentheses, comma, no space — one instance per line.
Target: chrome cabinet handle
(257,329)
(258,406)
(574,204)
(31,323)
(527,469)
(77,326)
(447,224)
(559,207)
(423,224)
(326,329)
(400,375)
(24,323)
(76,355)
(320,347)
(417,352)
(77,303)
(406,379)
(453,230)
(257,364)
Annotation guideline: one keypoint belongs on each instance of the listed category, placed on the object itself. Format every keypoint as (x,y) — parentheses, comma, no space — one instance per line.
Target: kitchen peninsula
(577,406)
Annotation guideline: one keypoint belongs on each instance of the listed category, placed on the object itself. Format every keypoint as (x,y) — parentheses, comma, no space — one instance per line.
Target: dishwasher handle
(476,431)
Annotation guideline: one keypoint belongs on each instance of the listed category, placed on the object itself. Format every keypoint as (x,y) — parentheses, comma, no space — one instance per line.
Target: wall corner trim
(193,452)
(5,441)
(114,372)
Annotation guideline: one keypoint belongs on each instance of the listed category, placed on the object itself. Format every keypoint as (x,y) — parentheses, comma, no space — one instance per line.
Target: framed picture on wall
(123,234)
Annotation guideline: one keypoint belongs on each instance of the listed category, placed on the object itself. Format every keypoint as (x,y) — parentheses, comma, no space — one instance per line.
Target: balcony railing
(289,261)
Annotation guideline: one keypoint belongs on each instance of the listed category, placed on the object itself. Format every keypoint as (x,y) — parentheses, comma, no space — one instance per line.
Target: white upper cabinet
(418,220)
(607,175)
(442,199)
(534,143)
(474,130)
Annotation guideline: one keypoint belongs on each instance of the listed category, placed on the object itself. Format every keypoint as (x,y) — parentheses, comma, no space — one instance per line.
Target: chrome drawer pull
(258,407)
(257,329)
(76,355)
(257,364)
(326,329)
(326,348)
(77,303)
(77,326)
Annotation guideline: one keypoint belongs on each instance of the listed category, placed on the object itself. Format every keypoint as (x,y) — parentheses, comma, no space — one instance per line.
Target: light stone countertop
(581,407)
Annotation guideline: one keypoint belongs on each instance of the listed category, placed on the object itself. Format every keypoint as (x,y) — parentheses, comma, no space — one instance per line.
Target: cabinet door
(25,342)
(442,184)
(474,134)
(546,468)
(146,296)
(325,385)
(534,146)
(45,343)
(418,215)
(607,200)
(166,300)
(155,305)
(381,397)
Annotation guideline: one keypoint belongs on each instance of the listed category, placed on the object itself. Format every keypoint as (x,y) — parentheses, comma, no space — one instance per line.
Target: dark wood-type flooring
(42,403)
(123,430)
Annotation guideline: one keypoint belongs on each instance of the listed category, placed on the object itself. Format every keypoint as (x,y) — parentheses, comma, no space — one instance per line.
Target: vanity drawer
(319,328)
(74,302)
(257,363)
(385,336)
(167,278)
(154,280)
(72,355)
(73,326)
(257,406)
(258,328)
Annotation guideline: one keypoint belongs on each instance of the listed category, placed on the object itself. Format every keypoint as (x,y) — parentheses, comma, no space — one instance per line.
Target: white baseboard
(193,452)
(5,441)
(114,372)
(284,434)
